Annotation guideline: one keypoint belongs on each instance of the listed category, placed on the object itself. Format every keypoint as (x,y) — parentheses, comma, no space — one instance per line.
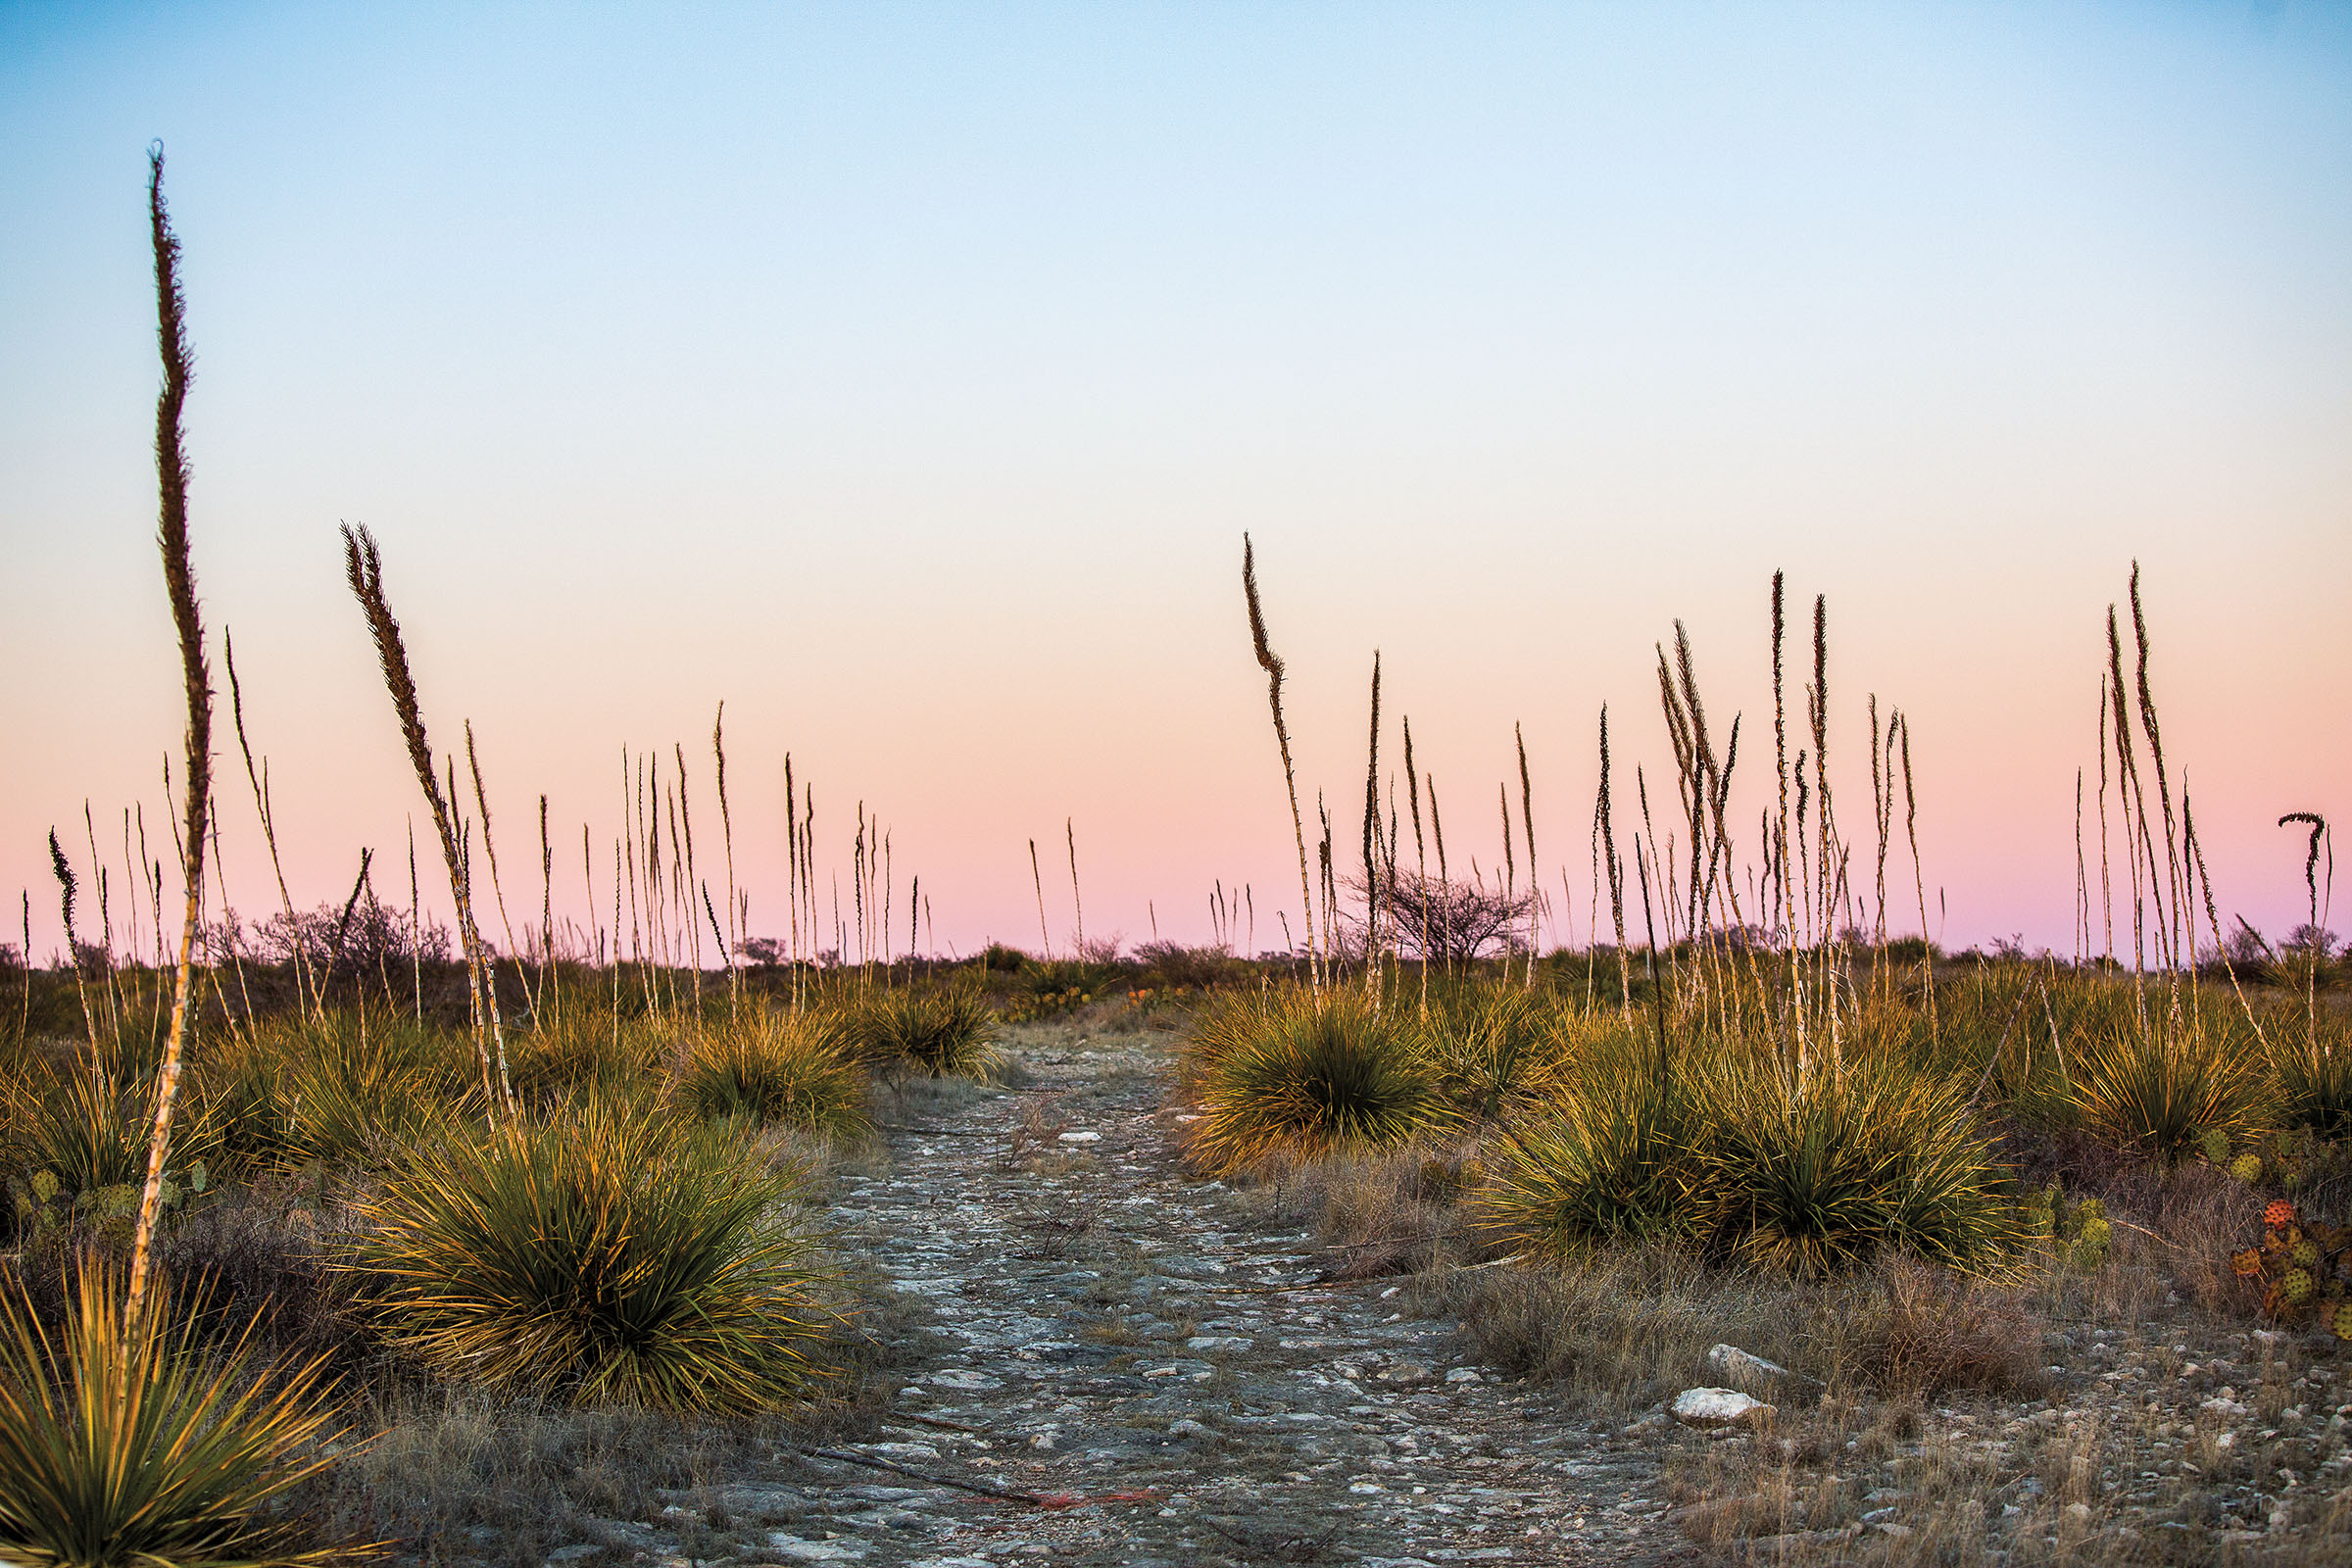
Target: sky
(905,377)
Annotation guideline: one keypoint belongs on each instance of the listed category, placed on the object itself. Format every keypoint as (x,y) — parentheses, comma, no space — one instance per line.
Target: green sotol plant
(941,1031)
(123,1443)
(1314,1075)
(607,1253)
(797,1068)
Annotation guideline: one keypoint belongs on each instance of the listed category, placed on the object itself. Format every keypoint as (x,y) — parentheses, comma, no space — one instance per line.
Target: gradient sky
(907,376)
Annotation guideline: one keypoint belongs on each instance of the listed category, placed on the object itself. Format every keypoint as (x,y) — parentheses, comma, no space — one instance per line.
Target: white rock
(1733,1363)
(1081,1138)
(1719,1407)
(1462,1374)
(800,1550)
(967,1381)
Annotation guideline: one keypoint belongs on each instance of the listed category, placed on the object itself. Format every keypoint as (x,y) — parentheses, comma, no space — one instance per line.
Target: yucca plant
(798,1068)
(604,1255)
(941,1031)
(342,1089)
(1816,1170)
(1497,1049)
(1610,1165)
(584,1050)
(2156,1086)
(87,1133)
(1320,1075)
(1229,1022)
(2312,1073)
(124,1442)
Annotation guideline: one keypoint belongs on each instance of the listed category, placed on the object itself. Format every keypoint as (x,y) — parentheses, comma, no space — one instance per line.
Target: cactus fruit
(2246,1168)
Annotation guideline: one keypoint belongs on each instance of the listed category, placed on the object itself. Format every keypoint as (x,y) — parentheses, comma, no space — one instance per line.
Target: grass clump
(605,1254)
(1608,1166)
(1811,1173)
(2157,1085)
(1312,1077)
(939,1031)
(2311,1069)
(796,1068)
(122,1444)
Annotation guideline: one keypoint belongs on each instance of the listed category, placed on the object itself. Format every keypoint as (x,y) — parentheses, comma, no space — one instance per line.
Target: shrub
(1317,1075)
(121,1444)
(940,1031)
(1497,1048)
(603,1254)
(2155,1086)
(798,1068)
(1814,1173)
(1610,1165)
(2313,1075)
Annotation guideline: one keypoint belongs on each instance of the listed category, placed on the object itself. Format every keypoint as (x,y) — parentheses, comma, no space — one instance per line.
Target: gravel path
(1140,1350)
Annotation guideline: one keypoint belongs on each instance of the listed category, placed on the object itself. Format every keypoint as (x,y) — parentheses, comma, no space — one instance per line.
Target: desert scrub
(1611,1163)
(940,1031)
(796,1068)
(605,1254)
(1313,1076)
(123,1441)
(2156,1085)
(2311,1073)
(1814,1171)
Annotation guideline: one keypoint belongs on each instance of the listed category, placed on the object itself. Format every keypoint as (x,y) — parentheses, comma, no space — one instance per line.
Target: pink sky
(907,381)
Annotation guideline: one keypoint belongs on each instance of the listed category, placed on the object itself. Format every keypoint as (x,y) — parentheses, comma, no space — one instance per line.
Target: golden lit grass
(125,1442)
(603,1254)
(796,1068)
(1304,1076)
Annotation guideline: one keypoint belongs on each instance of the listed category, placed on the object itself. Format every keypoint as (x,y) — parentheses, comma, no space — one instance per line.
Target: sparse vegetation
(332,1168)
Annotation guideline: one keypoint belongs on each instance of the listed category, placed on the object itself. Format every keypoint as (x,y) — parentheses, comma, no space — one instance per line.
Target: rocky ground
(1097,1358)
(1176,1382)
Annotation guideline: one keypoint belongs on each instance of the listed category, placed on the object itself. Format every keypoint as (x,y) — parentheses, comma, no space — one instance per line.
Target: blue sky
(905,376)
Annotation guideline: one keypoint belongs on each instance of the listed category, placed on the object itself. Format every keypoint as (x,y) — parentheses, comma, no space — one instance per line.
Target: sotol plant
(1316,1075)
(604,1255)
(125,1445)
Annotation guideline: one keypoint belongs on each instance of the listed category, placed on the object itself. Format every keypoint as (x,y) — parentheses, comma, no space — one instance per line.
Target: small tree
(1463,921)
